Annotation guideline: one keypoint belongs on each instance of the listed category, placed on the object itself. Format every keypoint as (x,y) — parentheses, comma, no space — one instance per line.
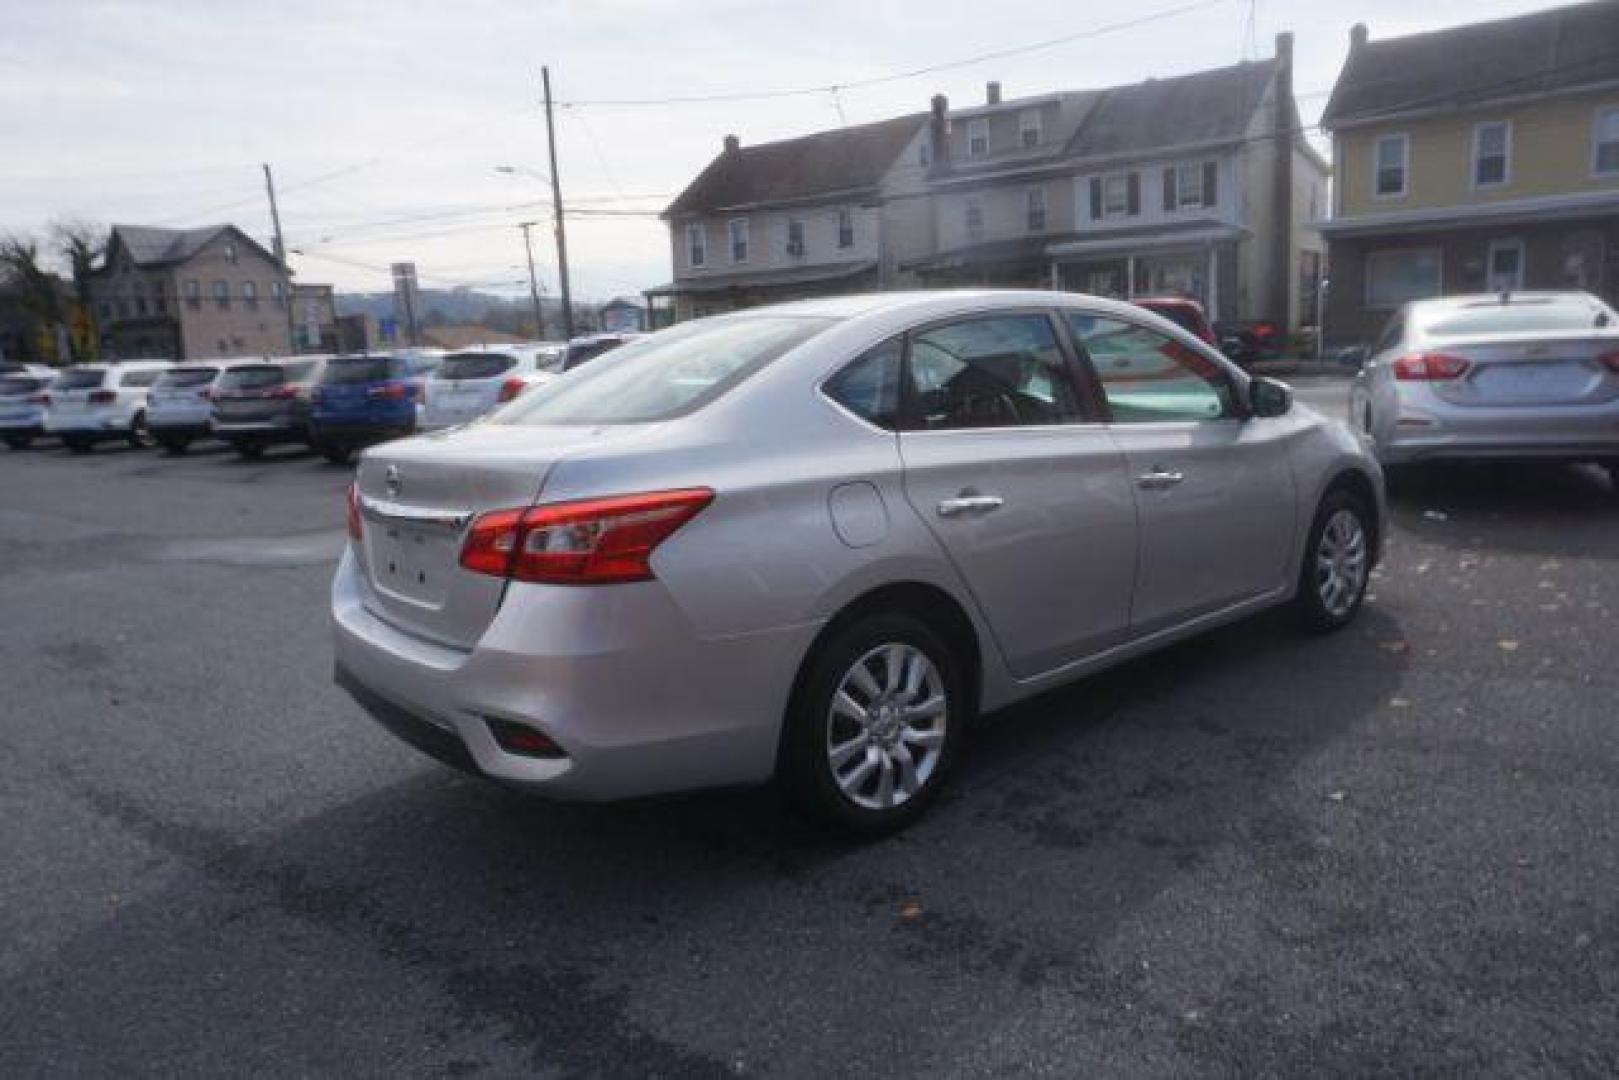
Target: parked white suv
(471,382)
(23,394)
(181,402)
(94,402)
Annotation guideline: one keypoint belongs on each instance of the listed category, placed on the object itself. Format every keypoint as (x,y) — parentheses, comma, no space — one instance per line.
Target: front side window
(696,244)
(664,375)
(845,228)
(1392,153)
(1395,277)
(739,239)
(1037,209)
(1148,377)
(1605,154)
(869,387)
(974,210)
(1492,149)
(1029,129)
(977,138)
(1001,371)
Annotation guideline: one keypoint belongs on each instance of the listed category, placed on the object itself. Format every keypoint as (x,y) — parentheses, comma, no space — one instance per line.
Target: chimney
(732,144)
(939,133)
(1357,36)
(992,93)
(1284,49)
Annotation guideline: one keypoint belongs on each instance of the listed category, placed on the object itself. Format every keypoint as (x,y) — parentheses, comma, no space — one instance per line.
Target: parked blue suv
(362,400)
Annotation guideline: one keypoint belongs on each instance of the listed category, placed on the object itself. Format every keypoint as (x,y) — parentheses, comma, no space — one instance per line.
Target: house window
(795,237)
(696,244)
(1036,209)
(230,253)
(924,154)
(278,293)
(222,294)
(845,228)
(1188,185)
(739,239)
(1115,195)
(250,294)
(1492,153)
(1028,129)
(975,218)
(1506,266)
(1393,277)
(977,138)
(1605,153)
(104,309)
(1392,156)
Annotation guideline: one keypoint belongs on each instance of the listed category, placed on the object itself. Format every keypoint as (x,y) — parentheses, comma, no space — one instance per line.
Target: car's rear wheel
(77,444)
(249,451)
(337,455)
(19,442)
(873,727)
(1337,562)
(174,444)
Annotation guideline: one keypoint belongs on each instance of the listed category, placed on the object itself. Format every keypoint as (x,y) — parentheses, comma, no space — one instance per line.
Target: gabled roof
(1204,107)
(1539,53)
(845,161)
(151,247)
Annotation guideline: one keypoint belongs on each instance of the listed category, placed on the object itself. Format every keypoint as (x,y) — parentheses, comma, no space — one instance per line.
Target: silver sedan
(1520,375)
(813,542)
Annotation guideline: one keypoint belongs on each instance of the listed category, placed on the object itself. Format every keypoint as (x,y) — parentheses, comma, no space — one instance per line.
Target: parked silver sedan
(1520,375)
(814,541)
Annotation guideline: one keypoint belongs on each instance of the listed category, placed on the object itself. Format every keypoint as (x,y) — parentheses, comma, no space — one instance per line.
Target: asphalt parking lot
(1388,850)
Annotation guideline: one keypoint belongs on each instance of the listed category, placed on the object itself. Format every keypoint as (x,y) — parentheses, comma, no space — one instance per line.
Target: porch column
(1213,299)
(1056,277)
(1129,277)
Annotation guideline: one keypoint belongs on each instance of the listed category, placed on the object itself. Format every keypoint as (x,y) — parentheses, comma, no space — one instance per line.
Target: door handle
(1159,479)
(970,504)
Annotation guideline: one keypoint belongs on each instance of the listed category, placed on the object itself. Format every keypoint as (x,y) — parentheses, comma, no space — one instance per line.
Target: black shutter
(1211,176)
(1169,189)
(1096,198)
(1135,194)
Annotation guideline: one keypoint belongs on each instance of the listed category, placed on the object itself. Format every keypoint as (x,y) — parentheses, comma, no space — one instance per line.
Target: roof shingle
(1204,107)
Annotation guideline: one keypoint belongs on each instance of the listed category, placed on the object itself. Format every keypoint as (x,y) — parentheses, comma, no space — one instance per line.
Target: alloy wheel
(1340,562)
(886,726)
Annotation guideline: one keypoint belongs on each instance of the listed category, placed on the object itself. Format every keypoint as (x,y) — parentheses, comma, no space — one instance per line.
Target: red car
(1183,312)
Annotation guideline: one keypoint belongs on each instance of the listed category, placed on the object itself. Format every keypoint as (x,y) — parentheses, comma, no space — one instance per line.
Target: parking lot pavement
(1386,850)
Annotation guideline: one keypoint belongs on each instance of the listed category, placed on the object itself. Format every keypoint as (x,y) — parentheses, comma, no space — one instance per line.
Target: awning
(1507,211)
(1136,243)
(799,275)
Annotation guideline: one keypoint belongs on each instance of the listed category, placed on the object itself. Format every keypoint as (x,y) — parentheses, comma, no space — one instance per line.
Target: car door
(1023,488)
(1213,486)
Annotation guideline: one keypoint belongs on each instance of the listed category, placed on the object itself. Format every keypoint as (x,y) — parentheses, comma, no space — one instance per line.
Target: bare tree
(81,243)
(38,288)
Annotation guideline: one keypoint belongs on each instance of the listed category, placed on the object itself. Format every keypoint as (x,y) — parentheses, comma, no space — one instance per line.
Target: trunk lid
(419,494)
(1530,369)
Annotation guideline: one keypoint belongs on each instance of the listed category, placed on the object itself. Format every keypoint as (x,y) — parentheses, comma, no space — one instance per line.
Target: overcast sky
(385,121)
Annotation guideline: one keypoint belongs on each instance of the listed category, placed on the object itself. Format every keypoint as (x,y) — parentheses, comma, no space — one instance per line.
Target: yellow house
(1475,159)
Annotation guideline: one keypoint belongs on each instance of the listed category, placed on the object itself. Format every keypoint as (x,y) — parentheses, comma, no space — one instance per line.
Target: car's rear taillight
(588,542)
(390,391)
(102,397)
(1610,361)
(1429,367)
(1264,330)
(40,399)
(356,521)
(511,388)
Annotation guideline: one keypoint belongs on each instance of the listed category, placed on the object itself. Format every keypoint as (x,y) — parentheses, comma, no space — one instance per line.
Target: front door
(1213,488)
(1028,495)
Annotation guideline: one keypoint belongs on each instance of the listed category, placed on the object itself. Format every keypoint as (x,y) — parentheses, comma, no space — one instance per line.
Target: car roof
(1506,299)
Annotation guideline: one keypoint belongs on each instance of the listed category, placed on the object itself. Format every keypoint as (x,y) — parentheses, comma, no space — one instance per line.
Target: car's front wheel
(19,442)
(1337,562)
(873,727)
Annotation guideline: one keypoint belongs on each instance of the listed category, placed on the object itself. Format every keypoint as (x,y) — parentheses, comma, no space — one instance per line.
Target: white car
(23,394)
(181,402)
(471,382)
(91,403)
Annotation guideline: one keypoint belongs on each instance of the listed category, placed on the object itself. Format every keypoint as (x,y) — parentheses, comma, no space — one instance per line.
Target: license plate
(408,563)
(1543,380)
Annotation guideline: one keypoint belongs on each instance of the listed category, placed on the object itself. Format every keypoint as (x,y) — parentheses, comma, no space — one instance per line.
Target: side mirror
(1269,397)
(1355,356)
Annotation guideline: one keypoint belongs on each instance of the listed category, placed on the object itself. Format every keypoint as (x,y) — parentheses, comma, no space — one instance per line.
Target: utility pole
(533,283)
(556,207)
(281,257)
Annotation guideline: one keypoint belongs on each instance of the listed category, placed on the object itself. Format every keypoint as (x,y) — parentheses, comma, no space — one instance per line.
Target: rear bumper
(358,433)
(639,704)
(89,425)
(258,431)
(188,429)
(1431,434)
(23,423)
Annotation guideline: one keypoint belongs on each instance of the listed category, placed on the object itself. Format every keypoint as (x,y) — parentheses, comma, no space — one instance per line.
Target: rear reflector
(1610,361)
(511,388)
(390,391)
(1429,367)
(522,739)
(588,542)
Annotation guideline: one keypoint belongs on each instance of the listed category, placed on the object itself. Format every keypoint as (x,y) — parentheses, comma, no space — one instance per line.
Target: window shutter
(1169,189)
(1134,193)
(1096,198)
(1211,175)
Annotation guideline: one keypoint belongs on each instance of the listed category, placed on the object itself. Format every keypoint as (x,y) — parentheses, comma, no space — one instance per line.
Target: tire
(78,444)
(337,455)
(174,445)
(1337,566)
(249,451)
(1613,475)
(19,442)
(876,737)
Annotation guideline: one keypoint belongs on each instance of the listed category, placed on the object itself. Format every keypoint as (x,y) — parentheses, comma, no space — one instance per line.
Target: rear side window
(183,378)
(139,378)
(585,351)
(1001,371)
(666,374)
(20,385)
(1148,377)
(346,370)
(869,387)
(475,366)
(80,380)
(251,378)
(299,370)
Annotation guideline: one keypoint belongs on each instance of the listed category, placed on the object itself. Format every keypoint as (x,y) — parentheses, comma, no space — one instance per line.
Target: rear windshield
(18,385)
(181,378)
(665,375)
(346,370)
(1181,316)
(82,379)
(139,378)
(1518,317)
(475,365)
(251,378)
(587,350)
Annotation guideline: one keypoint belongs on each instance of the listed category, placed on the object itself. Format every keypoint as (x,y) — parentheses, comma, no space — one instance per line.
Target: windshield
(666,375)
(347,370)
(80,379)
(1520,316)
(182,378)
(250,378)
(475,366)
